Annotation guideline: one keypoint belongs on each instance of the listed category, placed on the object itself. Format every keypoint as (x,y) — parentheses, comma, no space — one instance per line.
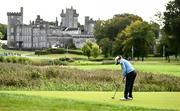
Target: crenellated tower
(89,25)
(14,19)
(69,18)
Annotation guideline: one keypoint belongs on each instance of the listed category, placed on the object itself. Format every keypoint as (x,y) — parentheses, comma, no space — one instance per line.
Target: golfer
(129,74)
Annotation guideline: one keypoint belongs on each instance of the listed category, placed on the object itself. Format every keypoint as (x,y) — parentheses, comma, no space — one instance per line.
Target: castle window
(12,29)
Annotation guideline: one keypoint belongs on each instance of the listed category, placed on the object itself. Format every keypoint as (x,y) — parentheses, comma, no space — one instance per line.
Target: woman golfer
(129,74)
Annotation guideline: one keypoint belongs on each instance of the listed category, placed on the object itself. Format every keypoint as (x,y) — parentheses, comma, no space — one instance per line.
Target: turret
(14,19)
(56,22)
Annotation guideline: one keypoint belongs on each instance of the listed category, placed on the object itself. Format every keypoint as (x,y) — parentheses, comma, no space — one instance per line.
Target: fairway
(155,68)
(155,100)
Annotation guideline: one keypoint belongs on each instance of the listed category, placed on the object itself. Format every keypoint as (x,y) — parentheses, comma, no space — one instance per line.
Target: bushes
(45,62)
(52,72)
(41,52)
(50,51)
(78,52)
(57,51)
(1,59)
(35,74)
(13,59)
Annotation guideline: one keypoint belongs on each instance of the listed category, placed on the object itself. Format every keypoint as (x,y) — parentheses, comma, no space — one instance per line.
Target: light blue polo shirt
(126,67)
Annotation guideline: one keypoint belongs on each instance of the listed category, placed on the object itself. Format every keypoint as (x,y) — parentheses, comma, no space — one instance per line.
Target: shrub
(52,72)
(20,60)
(14,59)
(78,52)
(50,51)
(41,52)
(59,62)
(2,59)
(35,74)
(8,59)
(56,51)
(66,59)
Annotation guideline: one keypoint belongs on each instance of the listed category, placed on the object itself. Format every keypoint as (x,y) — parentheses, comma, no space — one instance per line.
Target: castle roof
(14,14)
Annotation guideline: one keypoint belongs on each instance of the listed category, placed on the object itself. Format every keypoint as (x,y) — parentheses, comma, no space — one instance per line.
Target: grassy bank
(27,77)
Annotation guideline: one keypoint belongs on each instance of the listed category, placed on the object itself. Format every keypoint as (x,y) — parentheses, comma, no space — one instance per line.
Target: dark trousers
(130,77)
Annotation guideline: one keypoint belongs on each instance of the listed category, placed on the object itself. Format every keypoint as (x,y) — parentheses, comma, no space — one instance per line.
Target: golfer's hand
(123,79)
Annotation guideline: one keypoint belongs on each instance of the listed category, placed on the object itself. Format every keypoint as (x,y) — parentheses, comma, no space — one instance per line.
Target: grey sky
(103,9)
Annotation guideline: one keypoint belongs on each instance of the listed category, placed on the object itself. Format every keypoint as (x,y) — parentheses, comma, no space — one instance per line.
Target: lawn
(151,64)
(96,100)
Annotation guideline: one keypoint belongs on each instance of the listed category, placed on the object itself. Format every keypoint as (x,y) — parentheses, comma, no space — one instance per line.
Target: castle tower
(70,18)
(57,21)
(14,19)
(89,25)
(86,24)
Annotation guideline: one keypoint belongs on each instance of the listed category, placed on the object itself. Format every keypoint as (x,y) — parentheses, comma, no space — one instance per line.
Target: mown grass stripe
(20,102)
(155,100)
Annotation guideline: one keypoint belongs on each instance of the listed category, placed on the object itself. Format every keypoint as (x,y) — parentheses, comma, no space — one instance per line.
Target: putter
(117,87)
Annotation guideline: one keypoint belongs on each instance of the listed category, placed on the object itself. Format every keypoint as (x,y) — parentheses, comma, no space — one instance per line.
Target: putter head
(113,97)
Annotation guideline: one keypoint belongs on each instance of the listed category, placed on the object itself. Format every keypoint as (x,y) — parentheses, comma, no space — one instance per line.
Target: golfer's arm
(123,68)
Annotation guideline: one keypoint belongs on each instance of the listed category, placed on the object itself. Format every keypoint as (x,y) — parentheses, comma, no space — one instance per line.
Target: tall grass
(27,77)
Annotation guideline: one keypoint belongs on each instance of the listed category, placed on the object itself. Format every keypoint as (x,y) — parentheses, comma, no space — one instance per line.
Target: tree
(138,35)
(95,50)
(91,49)
(87,47)
(0,39)
(155,28)
(1,35)
(99,29)
(3,30)
(172,21)
(105,45)
(166,46)
(110,28)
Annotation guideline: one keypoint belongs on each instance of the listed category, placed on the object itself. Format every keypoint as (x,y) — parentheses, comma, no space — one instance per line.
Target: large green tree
(138,35)
(172,21)
(105,45)
(108,30)
(168,46)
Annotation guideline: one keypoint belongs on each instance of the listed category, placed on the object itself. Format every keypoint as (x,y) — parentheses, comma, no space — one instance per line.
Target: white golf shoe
(123,99)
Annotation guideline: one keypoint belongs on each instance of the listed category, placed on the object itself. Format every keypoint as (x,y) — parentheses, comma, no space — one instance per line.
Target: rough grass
(26,77)
(70,101)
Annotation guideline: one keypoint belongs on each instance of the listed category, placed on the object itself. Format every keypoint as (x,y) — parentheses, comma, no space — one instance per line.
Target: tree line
(130,36)
(125,33)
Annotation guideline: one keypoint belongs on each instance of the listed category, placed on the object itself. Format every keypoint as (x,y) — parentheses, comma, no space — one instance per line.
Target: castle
(41,34)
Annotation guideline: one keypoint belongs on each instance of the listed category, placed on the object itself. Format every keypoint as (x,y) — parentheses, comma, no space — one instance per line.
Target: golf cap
(116,59)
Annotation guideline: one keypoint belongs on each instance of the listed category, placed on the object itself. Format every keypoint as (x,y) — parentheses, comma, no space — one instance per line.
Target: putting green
(159,100)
